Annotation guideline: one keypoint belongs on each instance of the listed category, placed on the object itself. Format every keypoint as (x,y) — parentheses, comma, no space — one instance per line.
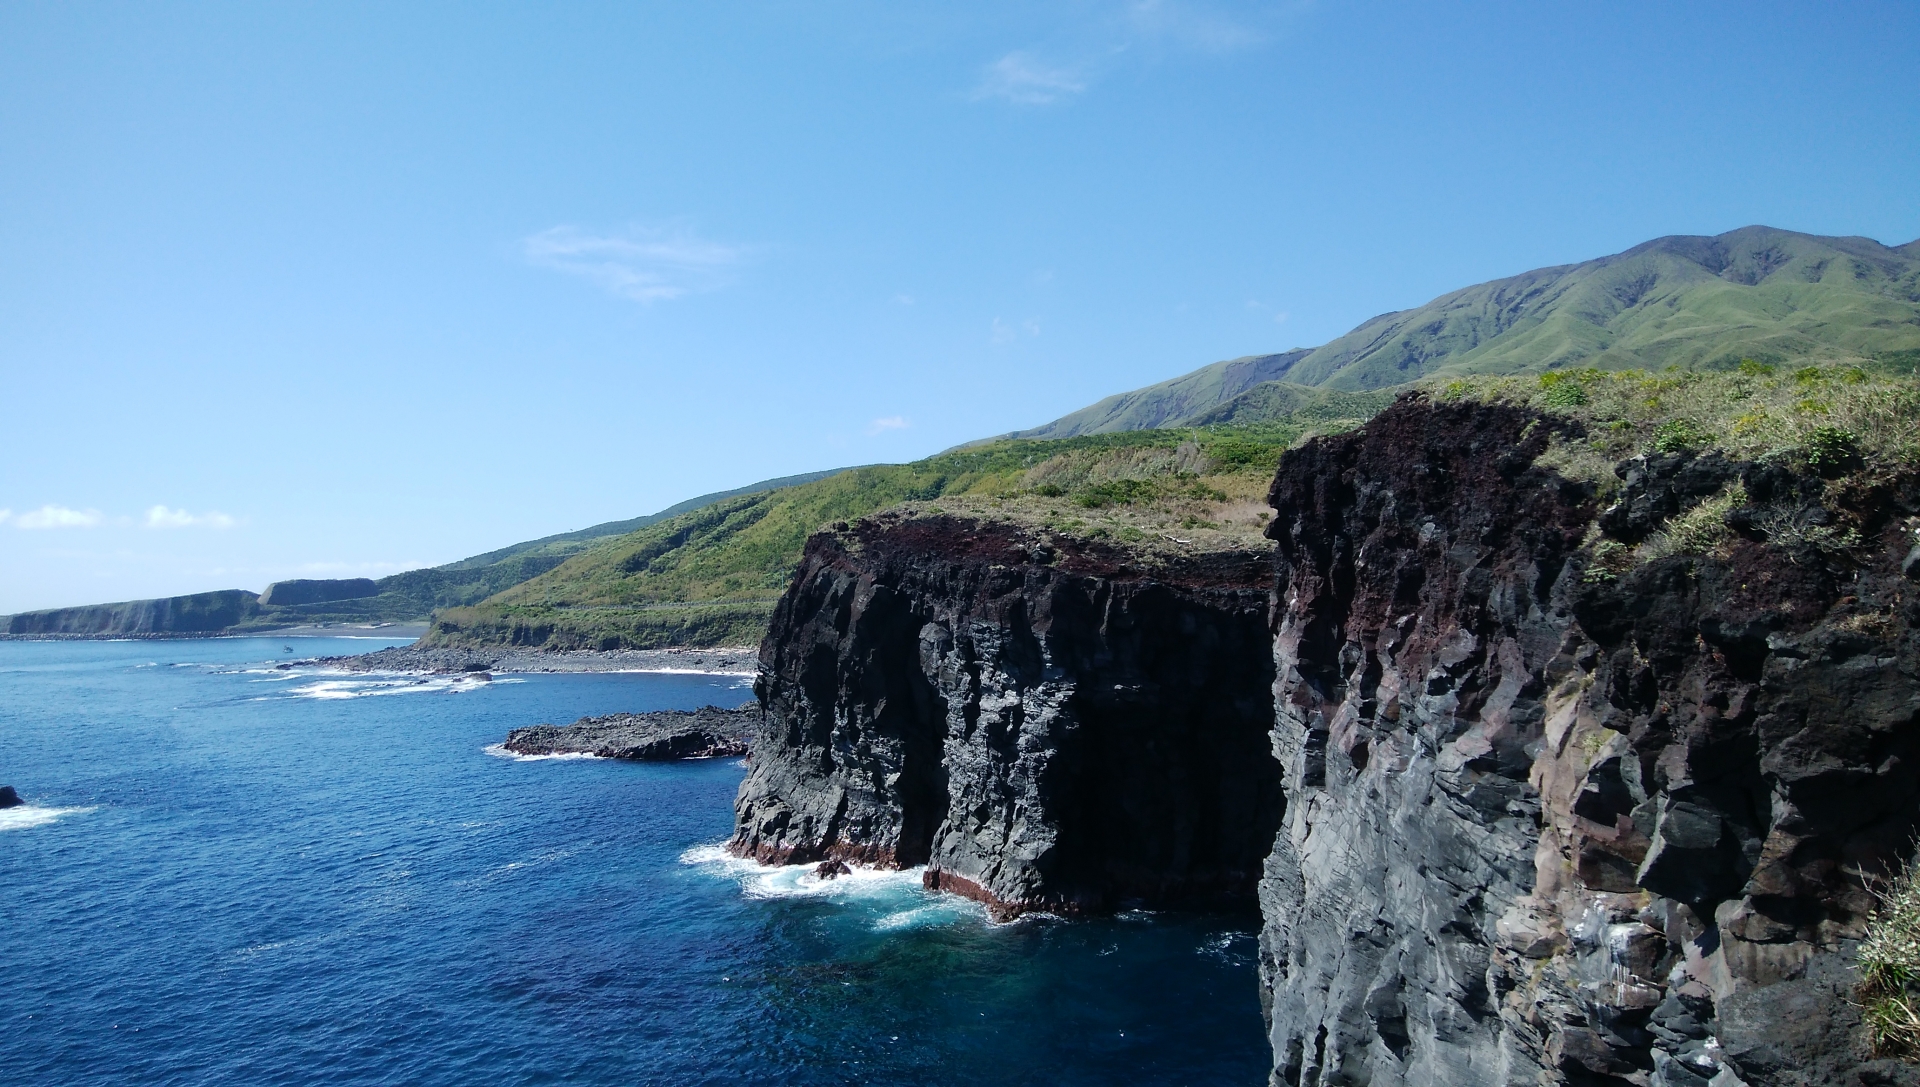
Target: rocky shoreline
(722,660)
(706,733)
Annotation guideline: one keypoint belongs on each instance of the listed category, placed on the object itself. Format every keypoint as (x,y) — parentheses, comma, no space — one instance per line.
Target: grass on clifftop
(1889,965)
(712,576)
(1847,423)
(1821,416)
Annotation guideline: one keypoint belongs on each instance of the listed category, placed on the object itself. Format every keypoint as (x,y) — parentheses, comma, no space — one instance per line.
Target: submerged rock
(9,798)
(709,732)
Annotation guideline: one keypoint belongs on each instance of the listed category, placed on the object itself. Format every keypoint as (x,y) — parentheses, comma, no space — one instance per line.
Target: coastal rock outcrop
(318,591)
(1551,820)
(10,797)
(1044,721)
(199,613)
(659,736)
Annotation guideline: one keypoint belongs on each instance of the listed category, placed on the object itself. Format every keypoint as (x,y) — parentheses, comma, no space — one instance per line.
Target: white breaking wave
(369,684)
(499,751)
(23,816)
(945,910)
(896,896)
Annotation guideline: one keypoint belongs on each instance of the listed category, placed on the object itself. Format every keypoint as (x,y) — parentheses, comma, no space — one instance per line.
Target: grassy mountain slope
(712,576)
(1169,402)
(1689,301)
(1695,302)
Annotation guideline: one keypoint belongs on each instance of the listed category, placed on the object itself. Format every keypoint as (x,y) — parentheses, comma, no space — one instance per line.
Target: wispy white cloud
(162,517)
(1023,78)
(1190,26)
(1003,332)
(1125,32)
(58,517)
(5,516)
(890,422)
(646,264)
(1279,316)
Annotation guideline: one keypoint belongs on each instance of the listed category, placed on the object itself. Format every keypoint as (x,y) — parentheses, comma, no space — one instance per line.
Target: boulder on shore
(708,732)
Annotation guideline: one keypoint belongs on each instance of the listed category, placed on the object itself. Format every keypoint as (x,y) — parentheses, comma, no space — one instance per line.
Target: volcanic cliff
(1524,804)
(1552,821)
(1045,722)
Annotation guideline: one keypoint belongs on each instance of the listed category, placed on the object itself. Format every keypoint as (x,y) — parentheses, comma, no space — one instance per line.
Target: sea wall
(1553,823)
(1044,722)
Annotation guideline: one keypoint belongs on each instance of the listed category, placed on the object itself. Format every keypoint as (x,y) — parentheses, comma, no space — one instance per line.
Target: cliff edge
(1574,797)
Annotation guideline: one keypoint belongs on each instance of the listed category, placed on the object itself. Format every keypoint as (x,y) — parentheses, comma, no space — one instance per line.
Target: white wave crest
(23,816)
(499,751)
(370,684)
(896,898)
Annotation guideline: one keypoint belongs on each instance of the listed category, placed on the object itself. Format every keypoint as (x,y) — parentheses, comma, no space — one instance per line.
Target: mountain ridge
(1695,301)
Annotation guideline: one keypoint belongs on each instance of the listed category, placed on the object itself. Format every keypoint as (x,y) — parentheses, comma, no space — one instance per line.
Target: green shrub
(1116,492)
(1566,394)
(1678,436)
(1831,447)
(1611,558)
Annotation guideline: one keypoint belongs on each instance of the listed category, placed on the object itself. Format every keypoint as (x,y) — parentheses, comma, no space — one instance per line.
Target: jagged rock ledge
(708,732)
(725,660)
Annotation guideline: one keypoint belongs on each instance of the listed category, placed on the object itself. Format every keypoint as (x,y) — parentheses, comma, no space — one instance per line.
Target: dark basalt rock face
(1046,723)
(1552,824)
(705,733)
(9,798)
(318,590)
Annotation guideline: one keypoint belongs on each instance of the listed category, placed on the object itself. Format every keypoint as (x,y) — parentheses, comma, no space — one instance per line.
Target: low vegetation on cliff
(1890,972)
(712,576)
(1850,425)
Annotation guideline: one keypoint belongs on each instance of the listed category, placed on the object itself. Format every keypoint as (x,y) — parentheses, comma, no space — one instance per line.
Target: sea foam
(369,684)
(895,896)
(23,816)
(499,751)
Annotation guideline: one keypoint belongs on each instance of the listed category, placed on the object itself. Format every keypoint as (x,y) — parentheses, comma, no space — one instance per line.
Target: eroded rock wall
(1045,722)
(1551,824)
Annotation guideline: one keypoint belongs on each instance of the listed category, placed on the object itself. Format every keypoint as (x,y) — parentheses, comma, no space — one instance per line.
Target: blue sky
(336,289)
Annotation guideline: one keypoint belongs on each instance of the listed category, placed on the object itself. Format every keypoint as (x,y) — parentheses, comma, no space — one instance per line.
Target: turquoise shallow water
(232,875)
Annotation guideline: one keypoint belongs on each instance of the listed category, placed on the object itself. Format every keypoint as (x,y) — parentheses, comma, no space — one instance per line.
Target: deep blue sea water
(232,875)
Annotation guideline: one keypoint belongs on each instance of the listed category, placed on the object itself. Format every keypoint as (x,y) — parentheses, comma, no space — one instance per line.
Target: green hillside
(1688,301)
(1170,402)
(410,596)
(711,576)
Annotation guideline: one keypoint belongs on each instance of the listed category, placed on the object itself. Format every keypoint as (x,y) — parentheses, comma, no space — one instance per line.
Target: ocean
(228,873)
